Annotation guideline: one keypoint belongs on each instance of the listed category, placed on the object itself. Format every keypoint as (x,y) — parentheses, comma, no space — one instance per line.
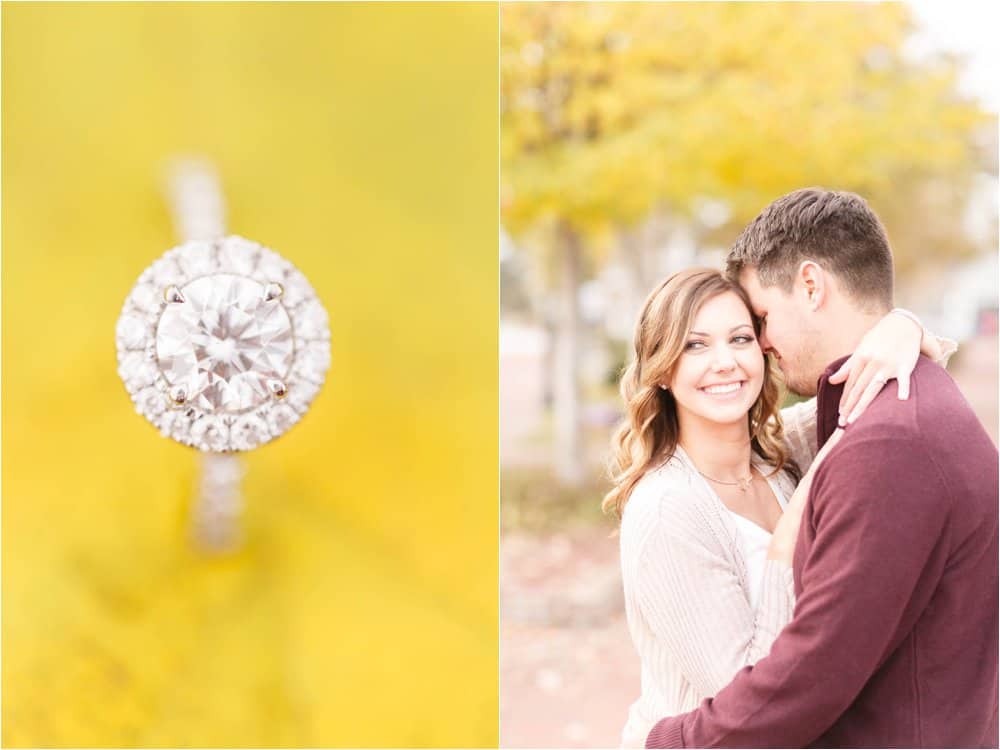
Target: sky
(967,27)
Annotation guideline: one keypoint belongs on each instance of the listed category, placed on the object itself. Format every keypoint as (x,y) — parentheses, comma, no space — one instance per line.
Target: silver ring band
(198,211)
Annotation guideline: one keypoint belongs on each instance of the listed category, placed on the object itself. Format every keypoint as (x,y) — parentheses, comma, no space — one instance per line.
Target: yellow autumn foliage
(612,110)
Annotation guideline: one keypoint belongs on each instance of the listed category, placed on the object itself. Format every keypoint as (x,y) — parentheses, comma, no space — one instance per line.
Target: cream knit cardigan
(685,584)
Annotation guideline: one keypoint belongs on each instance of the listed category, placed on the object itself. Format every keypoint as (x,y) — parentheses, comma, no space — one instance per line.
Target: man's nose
(765,343)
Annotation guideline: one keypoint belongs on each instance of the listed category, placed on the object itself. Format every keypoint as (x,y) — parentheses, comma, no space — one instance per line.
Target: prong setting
(173,295)
(178,395)
(272,291)
(277,388)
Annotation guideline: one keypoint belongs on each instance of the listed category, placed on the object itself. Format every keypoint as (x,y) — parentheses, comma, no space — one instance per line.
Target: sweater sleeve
(799,422)
(695,603)
(876,527)
(948,348)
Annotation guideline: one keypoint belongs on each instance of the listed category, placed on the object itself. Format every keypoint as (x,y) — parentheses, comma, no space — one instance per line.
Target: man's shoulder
(928,369)
(935,403)
(900,449)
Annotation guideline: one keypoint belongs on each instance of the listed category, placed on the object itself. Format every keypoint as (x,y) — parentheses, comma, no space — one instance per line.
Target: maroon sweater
(894,638)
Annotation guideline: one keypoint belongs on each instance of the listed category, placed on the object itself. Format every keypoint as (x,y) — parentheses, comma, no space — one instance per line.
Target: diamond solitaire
(222,344)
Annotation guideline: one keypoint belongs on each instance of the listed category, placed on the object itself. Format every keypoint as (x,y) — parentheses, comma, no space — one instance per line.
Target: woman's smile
(731,389)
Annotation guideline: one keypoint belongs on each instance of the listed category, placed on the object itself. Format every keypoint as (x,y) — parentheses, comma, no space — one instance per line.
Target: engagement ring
(222,345)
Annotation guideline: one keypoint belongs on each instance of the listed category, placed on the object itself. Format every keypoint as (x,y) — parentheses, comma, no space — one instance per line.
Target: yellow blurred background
(358,140)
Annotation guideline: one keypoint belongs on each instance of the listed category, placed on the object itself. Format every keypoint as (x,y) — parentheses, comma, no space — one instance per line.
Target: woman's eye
(742,339)
(694,344)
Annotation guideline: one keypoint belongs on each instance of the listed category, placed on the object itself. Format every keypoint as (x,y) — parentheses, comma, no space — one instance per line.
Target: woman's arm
(694,602)
(799,425)
(786,533)
(888,351)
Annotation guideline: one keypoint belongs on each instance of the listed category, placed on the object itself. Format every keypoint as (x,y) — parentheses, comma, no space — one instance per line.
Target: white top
(687,581)
(754,541)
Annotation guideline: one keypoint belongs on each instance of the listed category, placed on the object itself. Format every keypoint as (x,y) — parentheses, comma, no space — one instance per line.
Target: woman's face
(721,370)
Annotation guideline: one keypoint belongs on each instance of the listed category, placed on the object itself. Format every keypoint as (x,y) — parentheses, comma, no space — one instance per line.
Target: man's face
(787,332)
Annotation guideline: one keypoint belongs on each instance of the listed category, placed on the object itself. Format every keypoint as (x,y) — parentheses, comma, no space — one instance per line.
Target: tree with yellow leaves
(613,111)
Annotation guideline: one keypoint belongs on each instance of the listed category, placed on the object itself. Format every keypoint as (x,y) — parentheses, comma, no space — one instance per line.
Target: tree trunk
(569,463)
(634,260)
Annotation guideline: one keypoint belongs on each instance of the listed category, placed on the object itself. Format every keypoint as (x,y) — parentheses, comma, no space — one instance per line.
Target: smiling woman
(704,473)
(695,331)
(720,373)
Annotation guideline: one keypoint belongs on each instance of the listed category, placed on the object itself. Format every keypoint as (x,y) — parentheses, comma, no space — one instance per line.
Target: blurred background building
(638,139)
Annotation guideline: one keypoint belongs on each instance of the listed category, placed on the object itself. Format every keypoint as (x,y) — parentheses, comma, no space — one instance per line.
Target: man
(894,638)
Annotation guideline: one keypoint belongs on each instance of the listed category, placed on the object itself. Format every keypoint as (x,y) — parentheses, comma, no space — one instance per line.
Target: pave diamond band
(215,515)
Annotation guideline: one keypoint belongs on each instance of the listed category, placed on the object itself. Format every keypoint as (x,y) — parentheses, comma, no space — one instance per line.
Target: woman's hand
(786,532)
(889,350)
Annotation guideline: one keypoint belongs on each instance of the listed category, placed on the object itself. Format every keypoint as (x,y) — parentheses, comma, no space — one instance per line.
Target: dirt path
(568,671)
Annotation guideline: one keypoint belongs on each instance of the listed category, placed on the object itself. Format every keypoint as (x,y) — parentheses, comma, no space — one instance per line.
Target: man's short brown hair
(835,229)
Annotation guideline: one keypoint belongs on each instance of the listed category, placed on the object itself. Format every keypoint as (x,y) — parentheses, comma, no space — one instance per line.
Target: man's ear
(813,283)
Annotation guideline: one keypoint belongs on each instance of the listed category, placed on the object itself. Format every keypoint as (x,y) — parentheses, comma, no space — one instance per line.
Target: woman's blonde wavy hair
(649,433)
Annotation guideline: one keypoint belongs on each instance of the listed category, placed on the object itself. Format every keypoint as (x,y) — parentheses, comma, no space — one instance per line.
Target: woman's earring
(664,387)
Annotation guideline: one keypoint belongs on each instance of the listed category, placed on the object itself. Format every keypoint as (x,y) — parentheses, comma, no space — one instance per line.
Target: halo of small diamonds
(243,351)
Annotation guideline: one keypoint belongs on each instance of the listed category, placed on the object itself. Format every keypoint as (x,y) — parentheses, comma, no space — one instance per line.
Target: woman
(705,484)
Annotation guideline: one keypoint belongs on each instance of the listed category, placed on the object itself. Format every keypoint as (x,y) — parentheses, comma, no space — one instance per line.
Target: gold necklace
(743,484)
